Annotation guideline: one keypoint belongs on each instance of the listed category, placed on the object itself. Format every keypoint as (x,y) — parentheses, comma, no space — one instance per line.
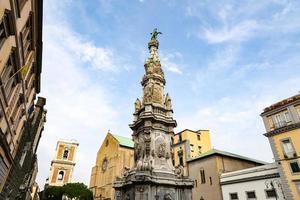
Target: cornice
(282,130)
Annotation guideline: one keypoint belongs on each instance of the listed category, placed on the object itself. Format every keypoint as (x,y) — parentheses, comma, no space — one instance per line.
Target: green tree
(74,191)
(53,193)
(77,191)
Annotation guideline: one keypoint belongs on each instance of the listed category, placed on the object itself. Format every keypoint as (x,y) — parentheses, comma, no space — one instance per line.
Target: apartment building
(282,124)
(21,119)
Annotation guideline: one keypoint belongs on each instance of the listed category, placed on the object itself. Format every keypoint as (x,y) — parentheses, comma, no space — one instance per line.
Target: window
(192,147)
(281,119)
(172,139)
(27,37)
(66,153)
(60,176)
(195,183)
(198,136)
(180,138)
(181,160)
(210,180)
(233,196)
(6,27)
(295,167)
(202,176)
(199,149)
(271,193)
(7,73)
(106,143)
(288,148)
(251,195)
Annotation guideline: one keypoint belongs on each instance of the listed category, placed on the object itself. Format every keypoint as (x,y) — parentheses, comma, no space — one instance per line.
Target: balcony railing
(280,124)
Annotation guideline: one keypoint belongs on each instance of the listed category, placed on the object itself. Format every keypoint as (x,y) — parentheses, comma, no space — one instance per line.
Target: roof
(198,131)
(124,141)
(260,173)
(262,168)
(228,154)
(282,103)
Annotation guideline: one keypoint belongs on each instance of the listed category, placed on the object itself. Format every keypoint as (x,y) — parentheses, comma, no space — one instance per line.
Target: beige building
(188,144)
(20,69)
(282,123)
(114,155)
(63,164)
(206,170)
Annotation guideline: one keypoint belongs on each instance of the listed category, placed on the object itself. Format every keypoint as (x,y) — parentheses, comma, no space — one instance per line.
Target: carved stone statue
(125,171)
(137,105)
(154,34)
(168,102)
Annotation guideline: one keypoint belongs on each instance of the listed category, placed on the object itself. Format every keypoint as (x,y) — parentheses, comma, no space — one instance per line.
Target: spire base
(153,43)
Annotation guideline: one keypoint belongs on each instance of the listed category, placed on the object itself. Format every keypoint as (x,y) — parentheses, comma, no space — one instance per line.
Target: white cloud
(98,57)
(78,107)
(238,32)
(169,62)
(224,22)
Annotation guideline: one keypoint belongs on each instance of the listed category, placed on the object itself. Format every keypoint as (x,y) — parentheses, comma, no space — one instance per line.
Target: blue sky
(224,61)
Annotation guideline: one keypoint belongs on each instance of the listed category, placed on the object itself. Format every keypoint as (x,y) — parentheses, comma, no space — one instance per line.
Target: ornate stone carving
(168,196)
(179,171)
(104,164)
(137,105)
(168,102)
(157,93)
(161,151)
(148,90)
(125,171)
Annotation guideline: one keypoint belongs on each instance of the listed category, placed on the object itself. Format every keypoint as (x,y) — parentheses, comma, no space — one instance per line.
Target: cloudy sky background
(224,61)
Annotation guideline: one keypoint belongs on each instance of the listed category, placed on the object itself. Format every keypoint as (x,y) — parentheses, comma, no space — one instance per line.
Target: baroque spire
(153,81)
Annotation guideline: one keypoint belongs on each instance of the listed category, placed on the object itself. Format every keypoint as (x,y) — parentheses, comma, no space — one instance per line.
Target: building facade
(114,156)
(188,144)
(262,182)
(21,122)
(207,168)
(282,123)
(62,165)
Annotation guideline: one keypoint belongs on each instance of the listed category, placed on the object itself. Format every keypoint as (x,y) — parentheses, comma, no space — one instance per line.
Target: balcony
(281,124)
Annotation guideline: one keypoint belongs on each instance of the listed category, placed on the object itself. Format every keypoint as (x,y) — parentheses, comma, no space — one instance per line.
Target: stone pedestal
(153,186)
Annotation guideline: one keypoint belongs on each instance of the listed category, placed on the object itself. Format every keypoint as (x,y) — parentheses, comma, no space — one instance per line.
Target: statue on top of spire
(154,34)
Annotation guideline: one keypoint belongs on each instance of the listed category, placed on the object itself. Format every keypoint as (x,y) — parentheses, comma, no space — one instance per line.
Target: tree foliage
(77,191)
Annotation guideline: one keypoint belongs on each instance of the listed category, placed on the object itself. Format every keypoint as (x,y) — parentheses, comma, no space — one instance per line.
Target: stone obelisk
(154,176)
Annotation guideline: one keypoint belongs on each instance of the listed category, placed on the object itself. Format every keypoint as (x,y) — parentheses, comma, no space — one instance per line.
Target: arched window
(66,153)
(60,176)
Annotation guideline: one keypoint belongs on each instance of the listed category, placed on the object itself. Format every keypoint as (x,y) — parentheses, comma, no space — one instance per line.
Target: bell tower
(153,175)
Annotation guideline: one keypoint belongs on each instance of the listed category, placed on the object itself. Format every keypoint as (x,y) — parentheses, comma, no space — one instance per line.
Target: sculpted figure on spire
(154,34)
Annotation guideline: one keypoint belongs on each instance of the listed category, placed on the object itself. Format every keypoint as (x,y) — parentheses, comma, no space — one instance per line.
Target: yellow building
(188,144)
(114,156)
(62,166)
(282,123)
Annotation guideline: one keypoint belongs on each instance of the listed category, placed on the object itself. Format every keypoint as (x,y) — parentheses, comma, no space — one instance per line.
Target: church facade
(114,156)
